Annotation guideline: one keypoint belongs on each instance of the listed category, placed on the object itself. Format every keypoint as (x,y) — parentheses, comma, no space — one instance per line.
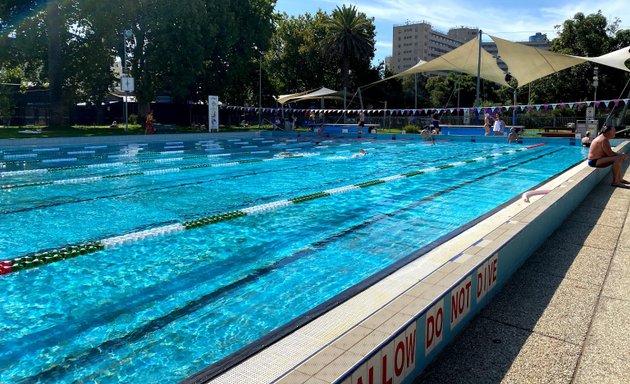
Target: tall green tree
(23,24)
(10,80)
(584,35)
(165,52)
(295,54)
(192,49)
(445,90)
(242,33)
(90,51)
(55,24)
(349,39)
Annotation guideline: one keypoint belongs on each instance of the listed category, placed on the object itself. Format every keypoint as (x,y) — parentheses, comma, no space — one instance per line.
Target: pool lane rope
(71,251)
(93,179)
(261,149)
(161,171)
(125,163)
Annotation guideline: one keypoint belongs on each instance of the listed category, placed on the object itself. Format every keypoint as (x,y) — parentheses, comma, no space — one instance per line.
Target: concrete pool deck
(564,317)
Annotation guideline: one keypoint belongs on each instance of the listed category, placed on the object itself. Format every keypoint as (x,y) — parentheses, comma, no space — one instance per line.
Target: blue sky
(511,20)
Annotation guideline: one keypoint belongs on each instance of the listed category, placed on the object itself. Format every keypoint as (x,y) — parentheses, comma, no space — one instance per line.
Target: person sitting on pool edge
(586,140)
(601,155)
(513,136)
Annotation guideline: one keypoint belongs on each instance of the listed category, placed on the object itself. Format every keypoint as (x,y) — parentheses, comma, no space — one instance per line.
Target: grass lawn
(77,131)
(80,131)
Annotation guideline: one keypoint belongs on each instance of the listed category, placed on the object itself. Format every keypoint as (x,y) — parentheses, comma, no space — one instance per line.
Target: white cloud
(514,21)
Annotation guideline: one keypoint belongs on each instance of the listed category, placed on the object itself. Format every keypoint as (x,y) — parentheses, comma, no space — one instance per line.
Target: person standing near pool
(361,121)
(487,123)
(497,129)
(601,155)
(435,124)
(148,125)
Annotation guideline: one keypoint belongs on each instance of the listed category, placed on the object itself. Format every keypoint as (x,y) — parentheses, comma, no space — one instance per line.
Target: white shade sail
(616,59)
(322,93)
(527,64)
(285,98)
(462,59)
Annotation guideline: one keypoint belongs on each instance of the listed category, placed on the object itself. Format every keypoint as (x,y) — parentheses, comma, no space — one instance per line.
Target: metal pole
(595,81)
(477,100)
(345,106)
(360,98)
(514,110)
(123,75)
(477,97)
(385,115)
(126,111)
(260,90)
(458,81)
(415,90)
(595,84)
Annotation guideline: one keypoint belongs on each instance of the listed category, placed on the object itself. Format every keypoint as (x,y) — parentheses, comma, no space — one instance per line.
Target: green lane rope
(50,256)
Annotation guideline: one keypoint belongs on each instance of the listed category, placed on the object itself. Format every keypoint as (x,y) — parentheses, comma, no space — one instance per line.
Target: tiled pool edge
(38,141)
(399,340)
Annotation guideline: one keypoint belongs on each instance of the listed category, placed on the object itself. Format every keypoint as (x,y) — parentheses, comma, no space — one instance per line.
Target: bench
(558,132)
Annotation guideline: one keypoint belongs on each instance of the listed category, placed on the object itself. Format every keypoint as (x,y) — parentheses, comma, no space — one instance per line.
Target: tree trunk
(99,113)
(345,68)
(55,76)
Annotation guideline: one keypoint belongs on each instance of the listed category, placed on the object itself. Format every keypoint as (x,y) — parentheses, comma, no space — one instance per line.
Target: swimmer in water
(362,152)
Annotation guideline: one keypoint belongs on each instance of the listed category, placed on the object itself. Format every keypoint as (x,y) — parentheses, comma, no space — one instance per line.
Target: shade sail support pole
(477,100)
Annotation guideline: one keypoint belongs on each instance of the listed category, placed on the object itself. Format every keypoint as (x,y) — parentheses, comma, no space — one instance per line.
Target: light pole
(260,91)
(260,56)
(385,115)
(595,81)
(126,35)
(415,87)
(415,91)
(595,84)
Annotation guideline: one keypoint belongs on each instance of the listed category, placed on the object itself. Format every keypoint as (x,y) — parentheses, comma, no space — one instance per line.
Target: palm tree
(349,38)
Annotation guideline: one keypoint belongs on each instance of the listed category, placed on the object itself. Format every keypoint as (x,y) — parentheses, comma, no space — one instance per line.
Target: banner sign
(213,113)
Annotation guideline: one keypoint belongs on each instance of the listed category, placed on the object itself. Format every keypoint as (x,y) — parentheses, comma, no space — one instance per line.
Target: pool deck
(564,316)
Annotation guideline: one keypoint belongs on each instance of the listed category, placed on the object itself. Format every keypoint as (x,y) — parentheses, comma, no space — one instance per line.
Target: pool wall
(397,341)
(35,141)
(416,137)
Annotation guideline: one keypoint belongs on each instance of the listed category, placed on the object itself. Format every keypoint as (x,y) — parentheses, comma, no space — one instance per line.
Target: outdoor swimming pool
(148,262)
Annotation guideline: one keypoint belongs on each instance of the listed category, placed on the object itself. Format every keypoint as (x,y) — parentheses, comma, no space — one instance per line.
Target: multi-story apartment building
(419,41)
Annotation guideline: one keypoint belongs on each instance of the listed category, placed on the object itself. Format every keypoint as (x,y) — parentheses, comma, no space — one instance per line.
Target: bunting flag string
(430,111)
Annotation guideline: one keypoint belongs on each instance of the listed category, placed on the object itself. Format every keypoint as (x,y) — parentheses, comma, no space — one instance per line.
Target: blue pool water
(162,307)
